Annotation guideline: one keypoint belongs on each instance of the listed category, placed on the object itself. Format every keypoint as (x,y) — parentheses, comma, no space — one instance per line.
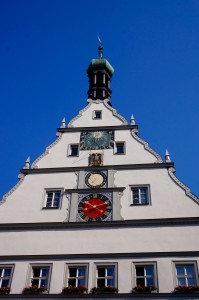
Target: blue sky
(46,47)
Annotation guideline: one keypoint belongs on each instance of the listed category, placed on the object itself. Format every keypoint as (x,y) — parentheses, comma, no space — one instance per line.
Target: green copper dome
(100,64)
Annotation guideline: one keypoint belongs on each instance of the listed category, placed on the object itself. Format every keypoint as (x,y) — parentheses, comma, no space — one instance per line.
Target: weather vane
(100,48)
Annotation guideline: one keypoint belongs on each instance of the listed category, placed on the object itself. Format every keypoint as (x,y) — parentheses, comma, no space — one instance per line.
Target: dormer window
(97,114)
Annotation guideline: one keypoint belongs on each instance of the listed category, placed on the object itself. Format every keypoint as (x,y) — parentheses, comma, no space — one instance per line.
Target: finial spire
(27,163)
(167,156)
(63,123)
(132,121)
(100,48)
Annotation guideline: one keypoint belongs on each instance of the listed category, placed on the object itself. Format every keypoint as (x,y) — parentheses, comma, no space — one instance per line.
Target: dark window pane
(110,271)
(120,148)
(72,282)
(81,282)
(73,272)
(7,272)
(44,282)
(110,282)
(98,115)
(34,282)
(5,283)
(181,281)
(82,271)
(36,272)
(140,271)
(180,270)
(100,282)
(149,270)
(101,272)
(191,281)
(149,281)
(45,272)
(140,281)
(190,270)
(74,150)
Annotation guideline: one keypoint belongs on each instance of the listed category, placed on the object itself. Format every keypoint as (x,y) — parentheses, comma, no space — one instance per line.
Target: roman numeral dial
(95,207)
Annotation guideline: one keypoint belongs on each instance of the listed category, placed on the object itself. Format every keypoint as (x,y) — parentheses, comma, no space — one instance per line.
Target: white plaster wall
(85,117)
(109,240)
(168,200)
(26,203)
(165,274)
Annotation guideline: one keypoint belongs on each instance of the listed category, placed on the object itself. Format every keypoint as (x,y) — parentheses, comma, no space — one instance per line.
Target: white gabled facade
(99,207)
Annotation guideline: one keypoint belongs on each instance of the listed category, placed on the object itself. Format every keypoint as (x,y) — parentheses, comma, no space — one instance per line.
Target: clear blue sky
(46,46)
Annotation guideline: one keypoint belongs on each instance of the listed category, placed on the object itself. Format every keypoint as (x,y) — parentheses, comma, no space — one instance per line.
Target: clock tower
(99,212)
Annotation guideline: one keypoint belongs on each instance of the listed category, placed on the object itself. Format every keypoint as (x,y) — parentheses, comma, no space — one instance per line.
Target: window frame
(75,265)
(95,112)
(140,186)
(115,148)
(41,266)
(106,265)
(145,264)
(185,263)
(51,190)
(69,152)
(5,266)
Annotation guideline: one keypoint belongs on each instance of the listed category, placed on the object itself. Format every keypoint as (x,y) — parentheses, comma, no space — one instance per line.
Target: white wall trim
(146,146)
(187,190)
(34,164)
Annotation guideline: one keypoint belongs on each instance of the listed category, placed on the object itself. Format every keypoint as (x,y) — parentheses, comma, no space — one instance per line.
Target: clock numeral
(86,219)
(81,214)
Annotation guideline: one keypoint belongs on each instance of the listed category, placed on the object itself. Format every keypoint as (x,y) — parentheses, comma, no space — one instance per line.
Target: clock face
(94,140)
(95,179)
(95,207)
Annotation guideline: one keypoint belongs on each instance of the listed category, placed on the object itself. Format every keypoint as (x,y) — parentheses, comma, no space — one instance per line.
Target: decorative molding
(99,128)
(113,224)
(114,112)
(59,136)
(187,190)
(146,146)
(105,102)
(107,167)
(21,178)
(111,255)
(79,115)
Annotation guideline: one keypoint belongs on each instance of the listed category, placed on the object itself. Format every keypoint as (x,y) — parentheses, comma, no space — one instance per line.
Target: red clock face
(94,207)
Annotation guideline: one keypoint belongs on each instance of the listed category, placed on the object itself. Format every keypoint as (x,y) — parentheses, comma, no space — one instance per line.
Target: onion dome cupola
(100,73)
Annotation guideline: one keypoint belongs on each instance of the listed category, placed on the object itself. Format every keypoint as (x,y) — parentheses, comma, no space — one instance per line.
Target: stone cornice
(89,256)
(96,190)
(161,296)
(112,167)
(77,129)
(192,221)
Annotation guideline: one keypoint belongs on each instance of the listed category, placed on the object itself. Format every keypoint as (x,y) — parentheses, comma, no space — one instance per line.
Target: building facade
(99,209)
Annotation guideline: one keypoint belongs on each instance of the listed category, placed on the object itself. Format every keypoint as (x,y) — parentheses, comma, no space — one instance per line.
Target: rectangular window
(119,148)
(185,274)
(106,276)
(97,114)
(73,150)
(40,276)
(5,276)
(140,195)
(145,275)
(53,199)
(77,276)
